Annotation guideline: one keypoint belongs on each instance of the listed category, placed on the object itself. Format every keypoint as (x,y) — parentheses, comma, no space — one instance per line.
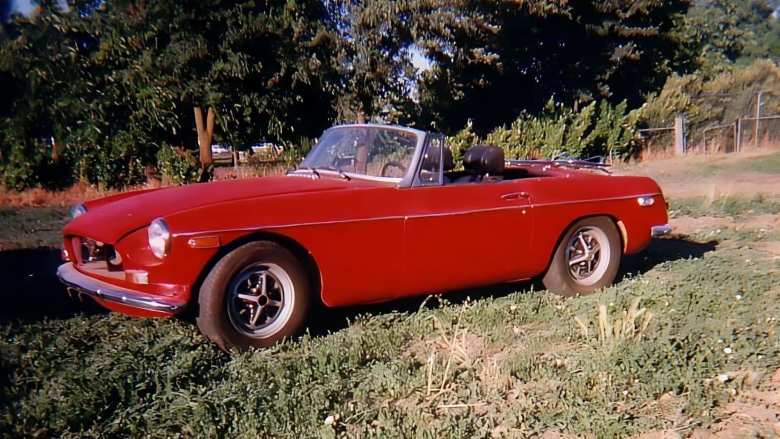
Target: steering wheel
(392,164)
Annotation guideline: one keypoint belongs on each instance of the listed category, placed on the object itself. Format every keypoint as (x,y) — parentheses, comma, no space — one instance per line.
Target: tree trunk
(205,135)
(55,150)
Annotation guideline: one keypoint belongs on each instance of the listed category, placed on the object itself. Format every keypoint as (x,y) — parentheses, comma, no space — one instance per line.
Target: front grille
(91,252)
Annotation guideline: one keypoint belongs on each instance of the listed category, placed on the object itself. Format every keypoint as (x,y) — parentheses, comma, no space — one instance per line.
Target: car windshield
(364,150)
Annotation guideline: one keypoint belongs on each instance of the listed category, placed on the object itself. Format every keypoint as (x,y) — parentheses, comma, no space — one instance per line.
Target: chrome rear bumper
(663,229)
(83,284)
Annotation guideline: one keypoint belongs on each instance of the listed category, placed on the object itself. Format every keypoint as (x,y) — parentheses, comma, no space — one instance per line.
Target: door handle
(515,196)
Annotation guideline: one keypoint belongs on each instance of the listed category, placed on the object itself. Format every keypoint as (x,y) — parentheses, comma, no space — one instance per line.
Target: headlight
(159,238)
(77,210)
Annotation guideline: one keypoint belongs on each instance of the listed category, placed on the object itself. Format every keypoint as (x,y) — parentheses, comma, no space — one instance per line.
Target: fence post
(738,135)
(679,134)
(758,117)
(704,133)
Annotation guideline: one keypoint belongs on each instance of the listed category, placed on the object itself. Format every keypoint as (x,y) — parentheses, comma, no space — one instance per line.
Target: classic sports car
(372,214)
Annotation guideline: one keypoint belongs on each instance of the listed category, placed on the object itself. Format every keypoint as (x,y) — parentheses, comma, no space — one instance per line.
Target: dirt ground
(715,175)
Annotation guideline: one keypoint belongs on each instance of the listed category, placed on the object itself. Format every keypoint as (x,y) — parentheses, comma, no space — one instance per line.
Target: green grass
(766,164)
(31,226)
(724,206)
(499,362)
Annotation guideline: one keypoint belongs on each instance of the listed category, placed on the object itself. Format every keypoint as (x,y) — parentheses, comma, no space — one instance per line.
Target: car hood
(110,220)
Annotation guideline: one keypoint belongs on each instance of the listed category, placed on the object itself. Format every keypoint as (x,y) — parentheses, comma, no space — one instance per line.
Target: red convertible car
(372,214)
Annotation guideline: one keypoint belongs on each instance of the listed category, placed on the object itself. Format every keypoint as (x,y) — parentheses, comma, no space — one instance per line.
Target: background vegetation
(112,92)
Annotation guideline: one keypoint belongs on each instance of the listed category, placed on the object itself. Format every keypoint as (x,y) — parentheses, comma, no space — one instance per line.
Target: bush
(30,164)
(178,165)
(596,129)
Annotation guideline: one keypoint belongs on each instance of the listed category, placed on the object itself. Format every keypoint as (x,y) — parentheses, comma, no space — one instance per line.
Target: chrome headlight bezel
(159,238)
(77,210)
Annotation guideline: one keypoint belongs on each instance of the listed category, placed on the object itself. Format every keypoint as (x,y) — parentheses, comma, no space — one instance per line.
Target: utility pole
(758,117)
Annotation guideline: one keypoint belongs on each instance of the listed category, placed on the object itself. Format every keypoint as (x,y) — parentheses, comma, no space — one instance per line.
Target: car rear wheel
(587,258)
(255,296)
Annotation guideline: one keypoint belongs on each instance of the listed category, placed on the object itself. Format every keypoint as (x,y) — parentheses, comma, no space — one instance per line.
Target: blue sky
(26,6)
(23,6)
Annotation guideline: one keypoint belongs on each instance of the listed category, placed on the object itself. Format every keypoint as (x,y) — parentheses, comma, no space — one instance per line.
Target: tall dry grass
(79,192)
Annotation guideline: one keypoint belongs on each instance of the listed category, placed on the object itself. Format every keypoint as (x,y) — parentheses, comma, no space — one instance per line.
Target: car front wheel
(587,258)
(254,296)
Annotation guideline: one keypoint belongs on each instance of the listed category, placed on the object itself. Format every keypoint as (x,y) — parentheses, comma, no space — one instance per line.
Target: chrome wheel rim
(260,300)
(588,255)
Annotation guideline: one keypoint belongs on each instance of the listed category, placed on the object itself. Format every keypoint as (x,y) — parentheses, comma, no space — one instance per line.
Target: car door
(463,235)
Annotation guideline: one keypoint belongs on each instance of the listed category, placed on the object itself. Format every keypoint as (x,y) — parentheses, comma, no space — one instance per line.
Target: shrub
(596,129)
(178,165)
(29,164)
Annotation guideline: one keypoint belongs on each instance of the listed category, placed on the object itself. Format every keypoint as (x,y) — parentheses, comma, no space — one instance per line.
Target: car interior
(481,164)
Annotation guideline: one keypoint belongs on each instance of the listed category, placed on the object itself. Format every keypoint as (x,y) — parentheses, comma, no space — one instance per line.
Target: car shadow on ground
(30,288)
(667,249)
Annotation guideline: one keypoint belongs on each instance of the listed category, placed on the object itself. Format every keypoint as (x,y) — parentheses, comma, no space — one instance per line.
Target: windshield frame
(404,181)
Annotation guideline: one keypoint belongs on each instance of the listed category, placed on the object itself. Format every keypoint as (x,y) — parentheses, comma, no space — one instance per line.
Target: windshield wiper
(344,175)
(311,169)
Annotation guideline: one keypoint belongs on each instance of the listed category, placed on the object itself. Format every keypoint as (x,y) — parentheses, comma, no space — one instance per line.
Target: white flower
(727,350)
(330,420)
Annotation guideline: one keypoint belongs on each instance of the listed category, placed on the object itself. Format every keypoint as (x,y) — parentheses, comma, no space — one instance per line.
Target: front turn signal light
(645,201)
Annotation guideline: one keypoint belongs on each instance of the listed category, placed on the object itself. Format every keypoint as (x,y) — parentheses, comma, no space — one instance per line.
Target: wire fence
(731,131)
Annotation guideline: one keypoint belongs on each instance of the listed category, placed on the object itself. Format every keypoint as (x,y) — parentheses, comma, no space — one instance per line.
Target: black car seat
(429,169)
(482,163)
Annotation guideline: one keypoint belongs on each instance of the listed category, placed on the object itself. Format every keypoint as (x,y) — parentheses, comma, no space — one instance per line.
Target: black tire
(566,281)
(222,314)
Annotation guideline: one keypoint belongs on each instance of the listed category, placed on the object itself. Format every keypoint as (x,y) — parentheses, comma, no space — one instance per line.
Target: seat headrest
(431,159)
(484,159)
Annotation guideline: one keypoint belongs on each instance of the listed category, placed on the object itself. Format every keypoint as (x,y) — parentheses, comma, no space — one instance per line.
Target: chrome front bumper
(83,284)
(663,229)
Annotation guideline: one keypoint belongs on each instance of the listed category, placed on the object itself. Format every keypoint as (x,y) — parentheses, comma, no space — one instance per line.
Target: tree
(132,76)
(493,59)
(373,58)
(731,31)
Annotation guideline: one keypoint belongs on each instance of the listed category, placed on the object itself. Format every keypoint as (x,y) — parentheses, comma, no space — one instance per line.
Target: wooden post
(205,132)
(679,134)
(758,116)
(737,135)
(704,133)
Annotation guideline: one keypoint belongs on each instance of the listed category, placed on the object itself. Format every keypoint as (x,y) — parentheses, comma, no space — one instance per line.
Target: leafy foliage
(99,88)
(599,128)
(112,83)
(732,31)
(178,165)
(493,61)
